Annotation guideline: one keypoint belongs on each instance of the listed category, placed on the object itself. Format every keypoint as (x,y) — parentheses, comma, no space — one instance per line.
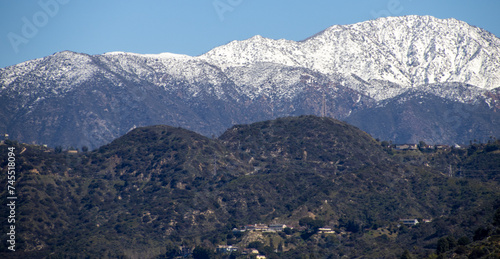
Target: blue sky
(34,29)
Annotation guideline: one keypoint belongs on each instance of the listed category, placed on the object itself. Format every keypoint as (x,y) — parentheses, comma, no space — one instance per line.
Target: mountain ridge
(367,33)
(336,73)
(214,55)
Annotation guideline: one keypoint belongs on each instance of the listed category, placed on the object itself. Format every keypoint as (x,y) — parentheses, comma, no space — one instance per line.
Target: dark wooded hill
(157,188)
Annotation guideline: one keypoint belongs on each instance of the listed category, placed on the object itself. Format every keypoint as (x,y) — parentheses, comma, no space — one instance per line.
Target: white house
(411,222)
(277,227)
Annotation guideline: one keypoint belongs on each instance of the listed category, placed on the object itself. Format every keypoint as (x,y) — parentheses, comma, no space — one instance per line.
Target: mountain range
(404,79)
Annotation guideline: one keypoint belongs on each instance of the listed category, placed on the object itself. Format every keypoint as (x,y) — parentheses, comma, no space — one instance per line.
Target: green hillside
(158,188)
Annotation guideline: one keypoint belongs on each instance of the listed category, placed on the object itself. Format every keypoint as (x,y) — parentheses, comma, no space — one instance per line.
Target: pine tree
(406,255)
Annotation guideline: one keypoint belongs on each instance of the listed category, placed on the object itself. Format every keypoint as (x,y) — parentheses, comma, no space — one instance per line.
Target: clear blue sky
(34,29)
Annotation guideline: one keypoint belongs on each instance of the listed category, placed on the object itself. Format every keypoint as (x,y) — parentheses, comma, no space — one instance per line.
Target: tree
(463,241)
(481,233)
(280,247)
(171,250)
(352,226)
(202,253)
(256,244)
(406,255)
(312,224)
(442,245)
(452,242)
(267,250)
(496,218)
(85,149)
(478,252)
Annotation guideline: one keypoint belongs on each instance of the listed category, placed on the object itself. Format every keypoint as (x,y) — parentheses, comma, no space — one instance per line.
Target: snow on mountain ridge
(61,71)
(167,70)
(269,79)
(380,58)
(253,50)
(408,50)
(64,70)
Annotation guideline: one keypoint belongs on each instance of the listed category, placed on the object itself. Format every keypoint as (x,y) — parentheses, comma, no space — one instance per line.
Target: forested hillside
(159,188)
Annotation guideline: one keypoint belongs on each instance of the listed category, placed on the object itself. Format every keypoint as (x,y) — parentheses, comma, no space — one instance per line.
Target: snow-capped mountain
(409,51)
(346,71)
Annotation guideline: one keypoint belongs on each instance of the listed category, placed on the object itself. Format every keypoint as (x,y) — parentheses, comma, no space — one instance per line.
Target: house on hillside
(257,227)
(225,249)
(250,251)
(427,147)
(326,231)
(277,227)
(442,147)
(410,222)
(407,147)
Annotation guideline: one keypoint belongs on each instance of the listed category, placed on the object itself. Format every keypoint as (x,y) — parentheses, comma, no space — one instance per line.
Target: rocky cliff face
(74,99)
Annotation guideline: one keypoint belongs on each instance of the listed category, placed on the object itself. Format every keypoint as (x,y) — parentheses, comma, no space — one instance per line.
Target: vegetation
(165,192)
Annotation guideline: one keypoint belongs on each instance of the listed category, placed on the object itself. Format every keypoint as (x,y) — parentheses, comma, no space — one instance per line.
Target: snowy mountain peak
(60,71)
(409,51)
(256,38)
(380,58)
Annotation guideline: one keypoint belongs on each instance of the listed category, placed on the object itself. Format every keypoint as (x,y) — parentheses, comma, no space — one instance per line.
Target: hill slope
(162,186)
